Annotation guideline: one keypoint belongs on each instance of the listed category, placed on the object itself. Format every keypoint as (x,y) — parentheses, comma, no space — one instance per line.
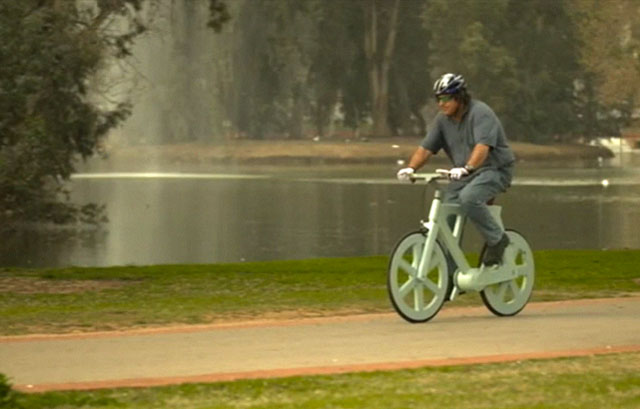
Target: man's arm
(478,156)
(419,158)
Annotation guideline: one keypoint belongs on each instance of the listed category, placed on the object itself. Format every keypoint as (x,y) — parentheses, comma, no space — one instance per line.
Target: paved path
(326,345)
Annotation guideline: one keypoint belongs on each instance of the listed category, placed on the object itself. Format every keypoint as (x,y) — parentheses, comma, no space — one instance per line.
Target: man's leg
(473,198)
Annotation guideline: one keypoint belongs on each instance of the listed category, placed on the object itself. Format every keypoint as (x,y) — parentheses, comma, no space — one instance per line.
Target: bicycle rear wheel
(509,297)
(417,297)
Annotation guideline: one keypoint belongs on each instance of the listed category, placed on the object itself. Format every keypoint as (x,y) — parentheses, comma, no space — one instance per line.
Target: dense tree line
(550,68)
(300,68)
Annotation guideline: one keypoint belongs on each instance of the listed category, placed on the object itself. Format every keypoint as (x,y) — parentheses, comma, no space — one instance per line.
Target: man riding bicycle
(473,138)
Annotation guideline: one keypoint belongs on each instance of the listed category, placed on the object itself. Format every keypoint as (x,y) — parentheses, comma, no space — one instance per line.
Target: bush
(7,395)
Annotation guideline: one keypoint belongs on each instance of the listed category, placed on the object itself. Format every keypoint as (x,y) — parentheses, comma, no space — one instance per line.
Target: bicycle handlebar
(440,174)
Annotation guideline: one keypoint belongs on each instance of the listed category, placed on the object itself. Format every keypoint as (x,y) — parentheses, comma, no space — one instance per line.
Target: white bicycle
(420,279)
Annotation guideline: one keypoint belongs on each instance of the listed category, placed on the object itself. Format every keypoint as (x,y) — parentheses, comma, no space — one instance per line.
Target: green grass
(83,299)
(597,382)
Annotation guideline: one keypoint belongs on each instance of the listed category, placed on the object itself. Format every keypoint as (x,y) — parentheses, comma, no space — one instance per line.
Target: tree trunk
(379,63)
(295,121)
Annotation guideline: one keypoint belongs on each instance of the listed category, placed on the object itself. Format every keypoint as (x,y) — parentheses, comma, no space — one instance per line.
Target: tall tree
(337,82)
(541,39)
(256,106)
(520,57)
(49,115)
(381,28)
(292,62)
(292,46)
(298,62)
(609,40)
(466,37)
(49,50)
(410,86)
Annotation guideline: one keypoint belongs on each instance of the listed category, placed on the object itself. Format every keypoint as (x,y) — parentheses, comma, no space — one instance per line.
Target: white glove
(458,173)
(404,175)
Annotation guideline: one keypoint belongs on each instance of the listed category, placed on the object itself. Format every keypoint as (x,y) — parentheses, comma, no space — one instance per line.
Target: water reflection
(577,217)
(280,214)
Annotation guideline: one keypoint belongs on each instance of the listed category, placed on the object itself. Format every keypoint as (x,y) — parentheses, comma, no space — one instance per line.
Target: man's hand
(405,174)
(458,173)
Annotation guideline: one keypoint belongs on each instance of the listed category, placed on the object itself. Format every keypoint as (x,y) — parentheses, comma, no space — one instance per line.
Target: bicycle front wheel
(417,295)
(510,297)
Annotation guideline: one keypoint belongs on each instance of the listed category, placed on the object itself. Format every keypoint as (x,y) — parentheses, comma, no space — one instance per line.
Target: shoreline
(330,151)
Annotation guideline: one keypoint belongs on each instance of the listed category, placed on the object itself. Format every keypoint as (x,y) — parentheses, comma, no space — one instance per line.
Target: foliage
(484,41)
(410,84)
(218,14)
(293,68)
(290,60)
(51,113)
(7,395)
(381,30)
(549,69)
(467,38)
(542,106)
(49,52)
(300,67)
(337,69)
(609,53)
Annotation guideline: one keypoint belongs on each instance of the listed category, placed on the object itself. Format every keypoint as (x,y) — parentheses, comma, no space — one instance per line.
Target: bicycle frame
(465,278)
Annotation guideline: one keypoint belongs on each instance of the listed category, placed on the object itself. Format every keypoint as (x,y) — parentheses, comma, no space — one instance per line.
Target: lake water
(226,215)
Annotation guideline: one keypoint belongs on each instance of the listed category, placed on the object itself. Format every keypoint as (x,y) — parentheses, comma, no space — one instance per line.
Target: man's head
(451,93)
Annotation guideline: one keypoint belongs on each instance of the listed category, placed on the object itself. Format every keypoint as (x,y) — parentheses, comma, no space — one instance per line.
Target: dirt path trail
(326,345)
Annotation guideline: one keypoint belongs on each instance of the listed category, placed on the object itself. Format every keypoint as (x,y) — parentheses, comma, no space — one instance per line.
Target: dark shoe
(493,255)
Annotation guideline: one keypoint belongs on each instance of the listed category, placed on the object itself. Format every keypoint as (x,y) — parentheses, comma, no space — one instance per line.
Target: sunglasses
(444,98)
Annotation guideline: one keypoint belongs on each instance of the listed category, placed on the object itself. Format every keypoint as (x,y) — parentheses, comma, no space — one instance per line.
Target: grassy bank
(325,151)
(89,299)
(607,381)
